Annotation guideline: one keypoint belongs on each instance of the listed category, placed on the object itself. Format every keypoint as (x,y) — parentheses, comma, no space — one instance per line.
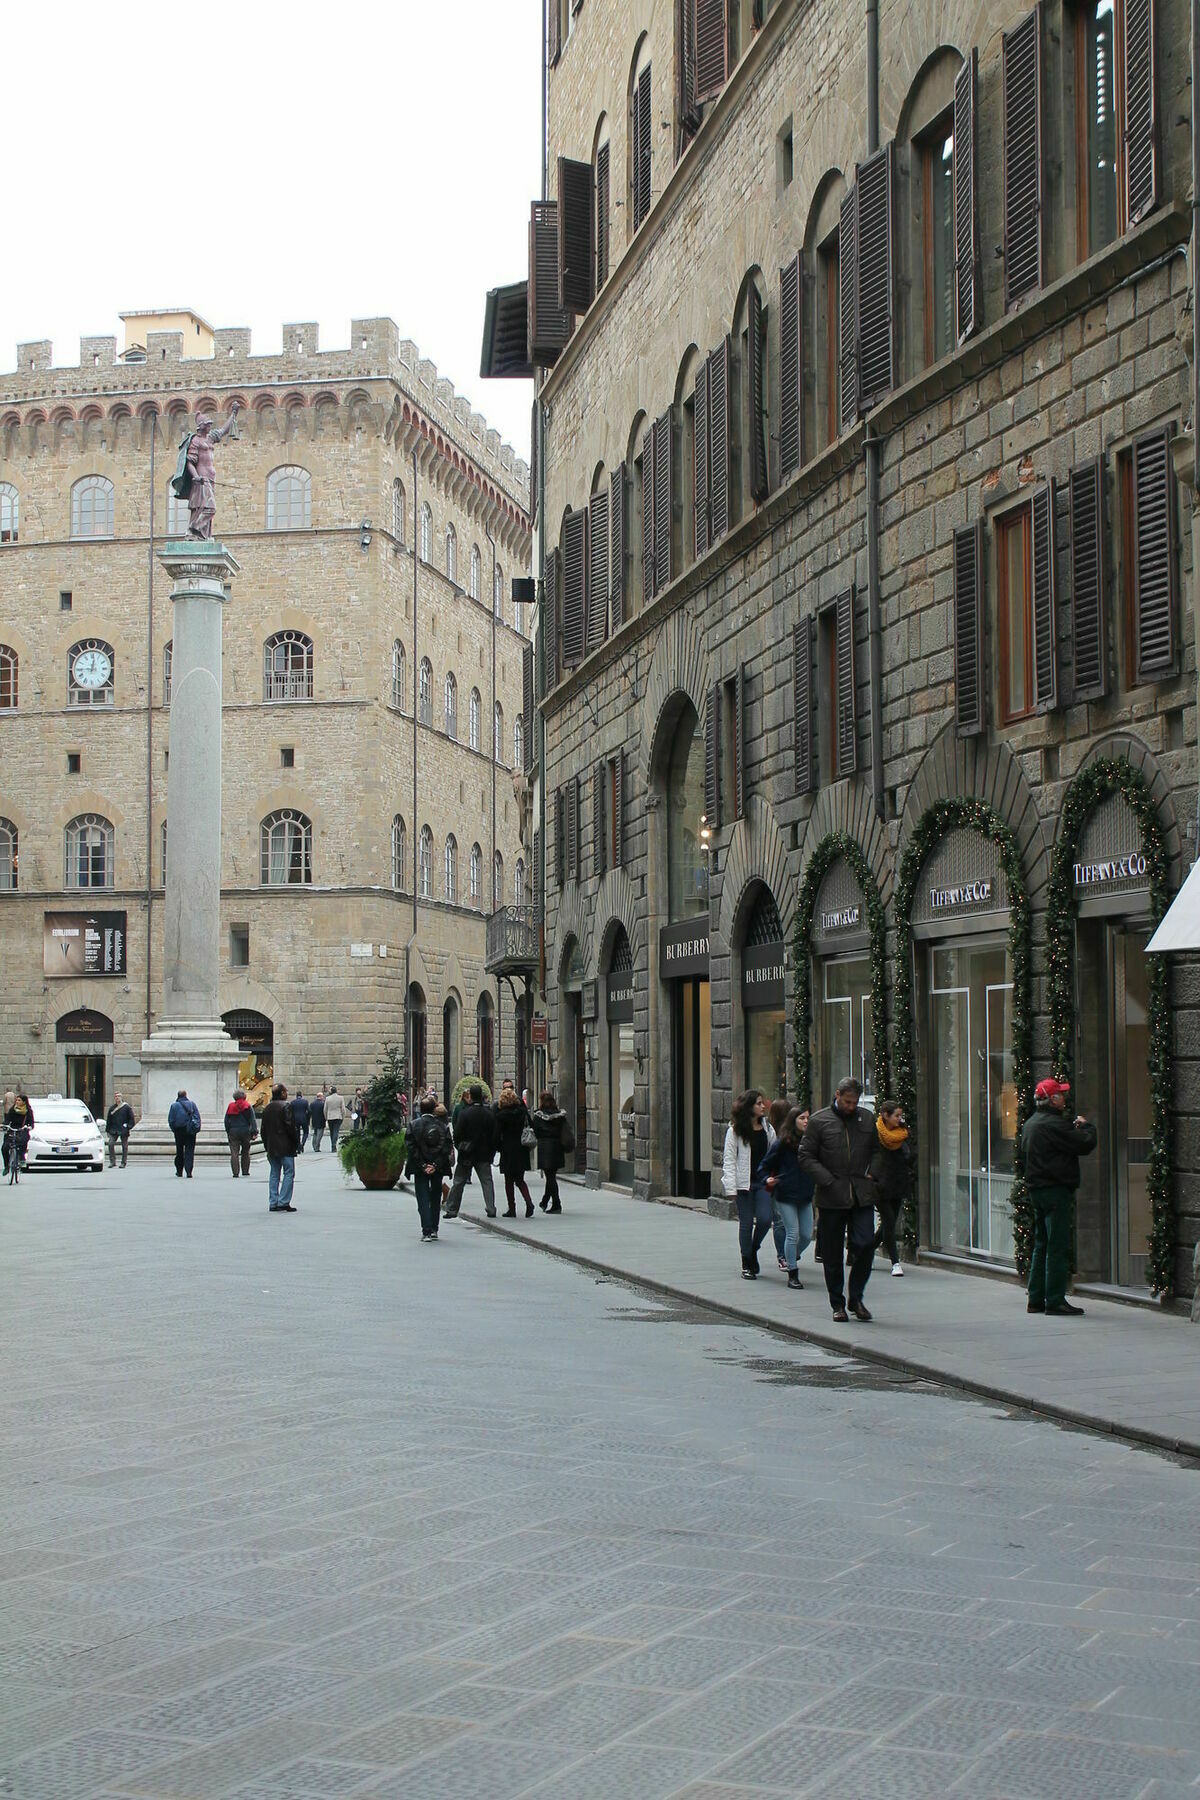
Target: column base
(199,1056)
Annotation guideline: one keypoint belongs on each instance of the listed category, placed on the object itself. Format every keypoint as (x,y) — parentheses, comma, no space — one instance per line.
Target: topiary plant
(461,1087)
(375,1152)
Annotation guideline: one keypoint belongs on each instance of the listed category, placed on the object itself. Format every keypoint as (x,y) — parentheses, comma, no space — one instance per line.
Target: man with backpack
(475,1142)
(429,1160)
(184,1121)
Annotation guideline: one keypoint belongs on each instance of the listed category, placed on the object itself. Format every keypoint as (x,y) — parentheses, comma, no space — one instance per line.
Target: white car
(64,1135)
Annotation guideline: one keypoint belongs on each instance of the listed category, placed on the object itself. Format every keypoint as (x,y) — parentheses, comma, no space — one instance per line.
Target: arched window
(601,161)
(451,1047)
(749,471)
(177,515)
(425,864)
(476,874)
(399,854)
(289,499)
(924,212)
(518,743)
(640,149)
(418,1040)
(8,854)
(399,519)
(475,571)
(399,677)
(473,718)
(168,649)
(450,867)
(687,866)
(88,842)
(485,1027)
(451,707)
(498,733)
(288,666)
(10,513)
(519,883)
(498,592)
(92,510)
(286,846)
(91,673)
(425,693)
(497,881)
(9,662)
(451,554)
(820,319)
(426,534)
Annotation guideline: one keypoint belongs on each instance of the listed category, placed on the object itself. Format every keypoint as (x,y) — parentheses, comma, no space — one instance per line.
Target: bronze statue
(195,474)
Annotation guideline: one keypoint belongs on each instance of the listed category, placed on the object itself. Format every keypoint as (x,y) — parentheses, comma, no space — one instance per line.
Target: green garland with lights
(837,844)
(942,817)
(1107,776)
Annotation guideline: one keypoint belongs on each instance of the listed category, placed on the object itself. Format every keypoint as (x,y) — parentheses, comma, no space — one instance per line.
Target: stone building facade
(867,616)
(358,487)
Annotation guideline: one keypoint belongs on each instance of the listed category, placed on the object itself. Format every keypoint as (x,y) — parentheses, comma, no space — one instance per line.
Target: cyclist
(18,1120)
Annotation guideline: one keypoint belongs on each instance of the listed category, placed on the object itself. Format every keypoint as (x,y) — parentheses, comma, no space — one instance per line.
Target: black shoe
(1064,1310)
(556,1207)
(288,1208)
(529,1209)
(749,1275)
(794,1280)
(510,1213)
(1036,1306)
(860,1312)
(543,1203)
(840,1315)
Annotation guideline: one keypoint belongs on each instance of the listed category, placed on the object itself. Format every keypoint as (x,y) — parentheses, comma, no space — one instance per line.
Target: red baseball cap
(1047,1089)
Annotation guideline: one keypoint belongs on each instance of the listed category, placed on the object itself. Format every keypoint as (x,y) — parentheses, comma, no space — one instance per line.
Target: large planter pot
(376,1171)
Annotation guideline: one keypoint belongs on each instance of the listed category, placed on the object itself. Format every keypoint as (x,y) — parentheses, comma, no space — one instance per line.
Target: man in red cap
(1052,1146)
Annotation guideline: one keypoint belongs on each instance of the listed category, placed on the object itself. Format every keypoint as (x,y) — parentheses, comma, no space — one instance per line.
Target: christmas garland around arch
(975,815)
(1100,779)
(834,845)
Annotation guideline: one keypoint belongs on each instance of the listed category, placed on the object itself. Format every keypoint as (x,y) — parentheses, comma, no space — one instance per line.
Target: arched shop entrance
(841,985)
(572,1054)
(255,1036)
(84,1039)
(763,962)
(451,1045)
(621,1062)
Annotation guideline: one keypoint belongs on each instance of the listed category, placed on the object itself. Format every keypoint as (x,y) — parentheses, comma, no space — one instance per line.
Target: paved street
(296,1508)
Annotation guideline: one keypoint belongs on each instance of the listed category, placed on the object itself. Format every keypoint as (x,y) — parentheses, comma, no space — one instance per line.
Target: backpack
(432,1142)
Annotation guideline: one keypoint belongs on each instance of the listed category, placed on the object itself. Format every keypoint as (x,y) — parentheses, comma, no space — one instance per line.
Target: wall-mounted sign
(1116,868)
(762,977)
(966,894)
(83,1027)
(620,996)
(589,1000)
(847,919)
(539,1031)
(362,949)
(683,949)
(83,943)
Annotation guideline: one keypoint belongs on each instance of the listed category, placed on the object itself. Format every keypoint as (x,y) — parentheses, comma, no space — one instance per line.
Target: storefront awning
(1180,929)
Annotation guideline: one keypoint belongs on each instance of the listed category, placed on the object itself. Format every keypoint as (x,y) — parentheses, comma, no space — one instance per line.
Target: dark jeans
(889,1213)
(462,1174)
(511,1185)
(429,1201)
(239,1155)
(551,1191)
(335,1126)
(1050,1265)
(185,1152)
(754,1221)
(850,1231)
(302,1134)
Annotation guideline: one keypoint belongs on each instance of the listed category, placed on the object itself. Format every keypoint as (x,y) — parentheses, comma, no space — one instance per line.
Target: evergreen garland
(1115,775)
(975,815)
(834,845)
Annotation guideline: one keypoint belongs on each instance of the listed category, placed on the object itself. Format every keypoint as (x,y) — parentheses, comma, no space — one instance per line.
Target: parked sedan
(64,1135)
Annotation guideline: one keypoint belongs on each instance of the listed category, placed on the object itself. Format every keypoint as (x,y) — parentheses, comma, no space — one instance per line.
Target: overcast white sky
(293,163)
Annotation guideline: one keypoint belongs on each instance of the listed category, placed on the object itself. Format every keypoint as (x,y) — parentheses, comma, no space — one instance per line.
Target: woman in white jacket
(747,1141)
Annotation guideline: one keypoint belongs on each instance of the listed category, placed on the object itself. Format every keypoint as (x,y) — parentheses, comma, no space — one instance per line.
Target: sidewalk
(1120,1369)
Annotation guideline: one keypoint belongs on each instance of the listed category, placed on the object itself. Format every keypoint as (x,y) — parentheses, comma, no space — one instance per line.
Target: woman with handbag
(516,1138)
(553,1134)
(747,1141)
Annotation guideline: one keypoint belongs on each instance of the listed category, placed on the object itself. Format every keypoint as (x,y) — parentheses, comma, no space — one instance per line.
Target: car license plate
(66,1149)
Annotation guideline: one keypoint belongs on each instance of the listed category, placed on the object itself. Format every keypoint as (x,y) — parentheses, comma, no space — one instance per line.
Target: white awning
(1180,929)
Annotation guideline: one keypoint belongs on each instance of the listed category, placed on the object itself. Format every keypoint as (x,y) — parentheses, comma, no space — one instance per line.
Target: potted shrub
(461,1087)
(375,1153)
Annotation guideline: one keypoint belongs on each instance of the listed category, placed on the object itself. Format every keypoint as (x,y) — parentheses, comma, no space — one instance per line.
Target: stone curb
(825,1340)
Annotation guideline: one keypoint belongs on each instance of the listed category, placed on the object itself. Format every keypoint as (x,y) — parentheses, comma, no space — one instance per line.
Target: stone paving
(297,1508)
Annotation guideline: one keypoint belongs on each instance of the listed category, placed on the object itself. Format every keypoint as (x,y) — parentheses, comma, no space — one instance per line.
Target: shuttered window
(553,618)
(847,735)
(549,325)
(966,201)
(643,138)
(700,460)
(598,551)
(712,758)
(802,706)
(1141,120)
(848,310)
(602,215)
(791,365)
(756,409)
(685,64)
(718,441)
(618,505)
(1088,596)
(711,48)
(560,838)
(1154,557)
(539,879)
(647,486)
(574,588)
(876,337)
(617,769)
(573,829)
(1045,610)
(739,740)
(599,831)
(575,235)
(968,630)
(527,702)
(664,489)
(541,689)
(1022,61)
(553,31)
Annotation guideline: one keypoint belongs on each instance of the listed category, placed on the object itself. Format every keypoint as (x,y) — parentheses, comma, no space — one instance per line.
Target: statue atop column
(194,479)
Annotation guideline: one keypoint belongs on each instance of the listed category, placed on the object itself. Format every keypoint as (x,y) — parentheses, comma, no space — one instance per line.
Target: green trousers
(1050,1267)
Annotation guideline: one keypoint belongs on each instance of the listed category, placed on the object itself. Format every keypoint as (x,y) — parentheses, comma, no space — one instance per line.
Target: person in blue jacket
(791,1189)
(184,1121)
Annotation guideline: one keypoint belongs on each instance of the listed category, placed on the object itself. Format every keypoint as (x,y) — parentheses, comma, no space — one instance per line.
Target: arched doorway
(485,1033)
(764,1017)
(843,1032)
(255,1036)
(683,954)
(86,1038)
(451,1046)
(619,1099)
(417,1038)
(572,1060)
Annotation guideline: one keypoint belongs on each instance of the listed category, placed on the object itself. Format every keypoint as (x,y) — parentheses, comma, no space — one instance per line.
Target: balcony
(513,946)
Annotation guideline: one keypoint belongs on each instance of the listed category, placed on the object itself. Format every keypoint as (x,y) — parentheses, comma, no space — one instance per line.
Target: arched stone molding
(455,981)
(615,905)
(241,993)
(1124,744)
(679,665)
(918,34)
(756,853)
(971,768)
(846,807)
(573,921)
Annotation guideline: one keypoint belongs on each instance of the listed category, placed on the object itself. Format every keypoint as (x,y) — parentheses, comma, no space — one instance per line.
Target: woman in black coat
(550,1124)
(512,1118)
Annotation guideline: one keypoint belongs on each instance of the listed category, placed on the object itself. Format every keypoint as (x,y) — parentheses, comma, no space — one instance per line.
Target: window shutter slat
(848,309)
(700,460)
(790,367)
(968,630)
(1088,598)
(643,140)
(599,840)
(847,735)
(538,878)
(1045,612)
(539,639)
(1141,120)
(1022,60)
(619,810)
(617,503)
(689,108)
(802,710)
(549,325)
(598,550)
(560,841)
(602,215)
(554,618)
(664,489)
(718,441)
(966,200)
(648,515)
(527,704)
(575,235)
(573,829)
(756,335)
(712,48)
(553,31)
(876,335)
(739,727)
(574,588)
(712,758)
(1154,557)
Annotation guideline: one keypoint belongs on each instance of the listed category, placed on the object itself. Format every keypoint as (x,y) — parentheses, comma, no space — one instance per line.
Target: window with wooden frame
(1014,614)
(828,336)
(1096,39)
(730,740)
(601,207)
(836,716)
(615,811)
(935,150)
(640,160)
(1148,556)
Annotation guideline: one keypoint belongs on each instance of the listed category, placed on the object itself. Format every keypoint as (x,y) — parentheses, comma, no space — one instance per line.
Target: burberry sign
(683,950)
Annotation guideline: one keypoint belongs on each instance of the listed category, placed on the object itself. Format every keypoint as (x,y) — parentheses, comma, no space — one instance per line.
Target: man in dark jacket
(428,1161)
(280,1139)
(1051,1146)
(184,1121)
(118,1124)
(836,1151)
(300,1112)
(316,1117)
(475,1141)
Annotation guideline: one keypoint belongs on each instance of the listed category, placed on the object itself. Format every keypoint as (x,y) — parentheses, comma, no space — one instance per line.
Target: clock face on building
(91,668)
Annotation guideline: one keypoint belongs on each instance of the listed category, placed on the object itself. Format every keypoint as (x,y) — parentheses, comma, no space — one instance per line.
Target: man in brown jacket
(836,1151)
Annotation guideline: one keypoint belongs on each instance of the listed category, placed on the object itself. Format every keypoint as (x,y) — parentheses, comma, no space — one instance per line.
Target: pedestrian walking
(358,1111)
(777,1113)
(748,1137)
(184,1121)
(891,1170)
(555,1140)
(836,1150)
(1051,1146)
(118,1124)
(301,1111)
(515,1138)
(429,1159)
(475,1143)
(279,1140)
(241,1128)
(791,1189)
(316,1118)
(335,1112)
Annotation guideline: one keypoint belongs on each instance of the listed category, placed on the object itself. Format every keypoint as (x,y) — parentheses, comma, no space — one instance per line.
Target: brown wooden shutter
(598,550)
(685,63)
(712,758)
(602,215)
(599,837)
(560,838)
(712,48)
(1154,557)
(1022,60)
(619,810)
(791,366)
(1045,607)
(968,630)
(664,494)
(574,271)
(617,505)
(554,618)
(966,200)
(848,310)
(1141,112)
(541,688)
(527,703)
(802,705)
(700,460)
(756,334)
(573,828)
(549,325)
(1088,598)
(847,735)
(574,588)
(643,138)
(648,516)
(876,333)
(718,441)
(739,731)
(553,31)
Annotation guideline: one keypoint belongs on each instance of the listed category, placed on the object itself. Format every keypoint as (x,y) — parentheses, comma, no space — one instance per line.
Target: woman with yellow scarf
(891,1169)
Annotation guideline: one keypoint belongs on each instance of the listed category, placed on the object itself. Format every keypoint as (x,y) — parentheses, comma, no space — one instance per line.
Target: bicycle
(13,1150)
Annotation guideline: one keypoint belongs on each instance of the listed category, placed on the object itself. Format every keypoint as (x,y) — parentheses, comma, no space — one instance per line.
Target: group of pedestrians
(446,1151)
